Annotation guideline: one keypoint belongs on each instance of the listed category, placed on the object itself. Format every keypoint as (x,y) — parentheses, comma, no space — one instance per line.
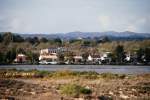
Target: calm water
(98,68)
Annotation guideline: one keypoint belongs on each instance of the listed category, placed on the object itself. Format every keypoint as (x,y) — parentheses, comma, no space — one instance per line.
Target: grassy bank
(13,73)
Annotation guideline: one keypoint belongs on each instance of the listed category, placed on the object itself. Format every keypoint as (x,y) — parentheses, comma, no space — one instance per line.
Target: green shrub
(70,90)
(42,73)
(112,76)
(84,90)
(74,90)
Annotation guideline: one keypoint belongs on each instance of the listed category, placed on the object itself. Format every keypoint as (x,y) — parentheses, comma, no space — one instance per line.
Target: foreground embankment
(71,85)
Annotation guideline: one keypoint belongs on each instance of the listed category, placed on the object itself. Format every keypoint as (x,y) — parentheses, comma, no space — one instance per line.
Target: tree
(20,50)
(85,56)
(7,38)
(75,41)
(36,40)
(69,56)
(120,54)
(61,57)
(147,55)
(140,54)
(33,57)
(17,38)
(2,58)
(33,40)
(58,41)
(143,55)
(44,40)
(1,38)
(105,39)
(86,43)
(10,55)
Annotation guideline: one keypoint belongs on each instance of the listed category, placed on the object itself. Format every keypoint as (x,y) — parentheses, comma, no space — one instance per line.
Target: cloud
(104,22)
(12,24)
(131,28)
(139,25)
(123,23)
(52,16)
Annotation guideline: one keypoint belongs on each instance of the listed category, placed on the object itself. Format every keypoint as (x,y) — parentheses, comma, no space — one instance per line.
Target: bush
(84,90)
(64,73)
(112,76)
(70,90)
(42,73)
(74,90)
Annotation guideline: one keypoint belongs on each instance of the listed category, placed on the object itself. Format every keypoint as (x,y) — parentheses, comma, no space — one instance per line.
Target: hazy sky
(52,16)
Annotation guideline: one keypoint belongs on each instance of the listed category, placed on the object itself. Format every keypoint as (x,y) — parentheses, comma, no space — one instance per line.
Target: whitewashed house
(78,58)
(105,57)
(90,58)
(50,55)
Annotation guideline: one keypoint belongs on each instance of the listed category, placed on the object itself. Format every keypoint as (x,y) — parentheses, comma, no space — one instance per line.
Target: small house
(21,58)
(78,58)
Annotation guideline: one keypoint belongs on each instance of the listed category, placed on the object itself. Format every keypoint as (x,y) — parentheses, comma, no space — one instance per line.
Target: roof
(78,57)
(21,55)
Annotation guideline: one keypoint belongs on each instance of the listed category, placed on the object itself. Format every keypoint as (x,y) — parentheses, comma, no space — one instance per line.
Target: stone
(124,96)
(33,93)
(79,99)
(111,93)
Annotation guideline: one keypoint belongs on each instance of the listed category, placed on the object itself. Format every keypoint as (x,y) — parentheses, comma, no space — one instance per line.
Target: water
(98,68)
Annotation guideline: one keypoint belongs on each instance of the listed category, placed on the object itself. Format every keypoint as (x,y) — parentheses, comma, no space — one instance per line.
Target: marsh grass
(13,73)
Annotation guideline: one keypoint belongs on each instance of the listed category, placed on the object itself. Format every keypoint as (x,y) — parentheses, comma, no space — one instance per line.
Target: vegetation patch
(13,73)
(64,74)
(112,76)
(74,90)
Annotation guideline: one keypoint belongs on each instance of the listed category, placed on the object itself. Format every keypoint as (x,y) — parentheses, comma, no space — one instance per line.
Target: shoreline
(120,69)
(84,64)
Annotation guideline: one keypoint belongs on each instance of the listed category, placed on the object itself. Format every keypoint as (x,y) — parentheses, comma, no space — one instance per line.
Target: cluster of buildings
(51,56)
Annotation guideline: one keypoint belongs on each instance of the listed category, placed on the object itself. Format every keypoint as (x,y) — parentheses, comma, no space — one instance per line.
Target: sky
(60,16)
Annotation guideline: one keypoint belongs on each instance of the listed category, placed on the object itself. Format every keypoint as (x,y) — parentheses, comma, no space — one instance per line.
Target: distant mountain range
(112,35)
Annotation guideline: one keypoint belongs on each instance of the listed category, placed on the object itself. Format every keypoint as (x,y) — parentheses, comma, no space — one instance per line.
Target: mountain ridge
(77,34)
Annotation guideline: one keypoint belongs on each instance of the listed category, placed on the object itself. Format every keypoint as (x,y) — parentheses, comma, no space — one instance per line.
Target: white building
(20,58)
(78,58)
(90,58)
(50,54)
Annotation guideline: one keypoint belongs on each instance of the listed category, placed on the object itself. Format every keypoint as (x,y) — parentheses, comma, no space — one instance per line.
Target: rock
(87,87)
(120,89)
(103,97)
(33,93)
(111,93)
(79,99)
(20,89)
(120,92)
(134,90)
(133,96)
(124,96)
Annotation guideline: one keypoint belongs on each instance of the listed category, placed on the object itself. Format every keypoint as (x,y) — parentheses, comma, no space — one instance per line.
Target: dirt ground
(130,88)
